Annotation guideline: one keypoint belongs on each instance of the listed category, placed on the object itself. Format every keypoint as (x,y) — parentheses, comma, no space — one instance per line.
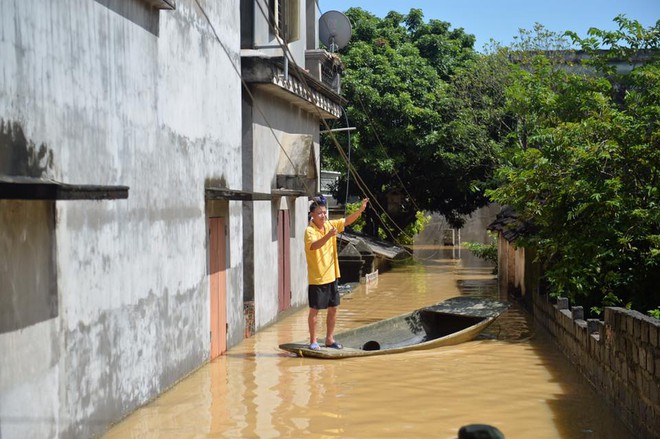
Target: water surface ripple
(512,377)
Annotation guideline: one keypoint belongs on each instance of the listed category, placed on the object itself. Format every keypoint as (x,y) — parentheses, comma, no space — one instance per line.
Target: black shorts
(323,296)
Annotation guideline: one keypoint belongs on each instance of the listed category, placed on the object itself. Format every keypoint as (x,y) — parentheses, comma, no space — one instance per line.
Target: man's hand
(350,219)
(321,241)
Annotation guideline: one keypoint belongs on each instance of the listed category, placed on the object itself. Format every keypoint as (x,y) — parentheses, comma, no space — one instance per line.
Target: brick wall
(620,355)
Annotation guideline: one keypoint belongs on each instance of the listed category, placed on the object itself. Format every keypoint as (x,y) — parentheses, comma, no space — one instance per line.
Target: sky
(501,20)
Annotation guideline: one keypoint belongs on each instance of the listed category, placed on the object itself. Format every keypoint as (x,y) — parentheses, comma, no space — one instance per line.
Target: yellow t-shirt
(322,264)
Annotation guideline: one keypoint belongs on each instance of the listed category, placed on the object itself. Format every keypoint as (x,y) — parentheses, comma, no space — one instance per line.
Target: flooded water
(512,377)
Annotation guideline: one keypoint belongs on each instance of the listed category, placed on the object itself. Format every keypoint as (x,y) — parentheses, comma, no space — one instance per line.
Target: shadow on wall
(28,291)
(137,11)
(20,156)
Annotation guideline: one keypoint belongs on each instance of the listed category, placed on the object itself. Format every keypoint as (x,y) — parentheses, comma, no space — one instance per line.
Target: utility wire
(247,89)
(349,156)
(383,149)
(297,71)
(373,128)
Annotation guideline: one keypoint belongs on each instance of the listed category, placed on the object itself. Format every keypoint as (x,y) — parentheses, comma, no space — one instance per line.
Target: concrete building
(140,207)
(292,88)
(143,200)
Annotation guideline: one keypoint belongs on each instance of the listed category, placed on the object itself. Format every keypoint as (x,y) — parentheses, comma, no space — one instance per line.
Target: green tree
(586,172)
(624,44)
(398,83)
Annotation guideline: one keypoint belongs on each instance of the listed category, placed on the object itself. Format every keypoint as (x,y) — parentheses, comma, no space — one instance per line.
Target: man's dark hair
(316,202)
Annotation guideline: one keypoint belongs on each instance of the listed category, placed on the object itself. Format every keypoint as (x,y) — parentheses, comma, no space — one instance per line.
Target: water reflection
(511,377)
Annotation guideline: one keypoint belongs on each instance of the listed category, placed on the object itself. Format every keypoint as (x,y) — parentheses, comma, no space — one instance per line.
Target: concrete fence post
(593,326)
(577,313)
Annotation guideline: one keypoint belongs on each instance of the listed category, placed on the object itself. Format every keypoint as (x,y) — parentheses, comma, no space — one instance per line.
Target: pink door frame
(218,286)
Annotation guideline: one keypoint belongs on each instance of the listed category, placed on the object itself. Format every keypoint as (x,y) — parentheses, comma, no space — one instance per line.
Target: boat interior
(419,327)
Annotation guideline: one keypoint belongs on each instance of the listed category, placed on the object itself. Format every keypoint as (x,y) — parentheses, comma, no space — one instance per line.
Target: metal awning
(221,193)
(35,188)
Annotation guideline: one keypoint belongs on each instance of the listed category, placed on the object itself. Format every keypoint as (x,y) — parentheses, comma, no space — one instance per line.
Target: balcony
(325,67)
(276,76)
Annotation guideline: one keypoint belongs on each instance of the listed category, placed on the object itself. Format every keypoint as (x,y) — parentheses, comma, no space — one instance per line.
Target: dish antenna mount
(334,30)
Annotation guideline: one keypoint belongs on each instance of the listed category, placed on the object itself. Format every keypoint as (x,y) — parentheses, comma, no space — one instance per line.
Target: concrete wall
(265,39)
(619,355)
(475,227)
(474,230)
(27,244)
(282,119)
(117,93)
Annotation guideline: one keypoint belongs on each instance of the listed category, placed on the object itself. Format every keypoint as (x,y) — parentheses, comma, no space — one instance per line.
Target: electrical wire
(385,152)
(297,72)
(349,156)
(373,128)
(249,92)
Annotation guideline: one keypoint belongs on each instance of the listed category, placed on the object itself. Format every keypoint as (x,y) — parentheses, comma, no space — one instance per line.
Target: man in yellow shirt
(323,267)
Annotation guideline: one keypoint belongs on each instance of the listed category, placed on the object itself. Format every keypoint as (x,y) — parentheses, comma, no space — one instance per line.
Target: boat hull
(451,322)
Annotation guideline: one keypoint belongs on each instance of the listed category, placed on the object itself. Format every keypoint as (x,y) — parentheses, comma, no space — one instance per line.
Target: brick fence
(619,355)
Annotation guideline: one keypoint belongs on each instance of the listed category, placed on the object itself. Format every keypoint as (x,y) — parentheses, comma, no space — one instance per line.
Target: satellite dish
(334,30)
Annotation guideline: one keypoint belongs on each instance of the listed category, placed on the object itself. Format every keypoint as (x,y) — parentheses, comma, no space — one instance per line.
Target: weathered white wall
(298,261)
(118,103)
(282,117)
(264,37)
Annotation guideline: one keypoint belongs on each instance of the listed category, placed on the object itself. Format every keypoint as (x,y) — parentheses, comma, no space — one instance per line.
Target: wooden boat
(453,321)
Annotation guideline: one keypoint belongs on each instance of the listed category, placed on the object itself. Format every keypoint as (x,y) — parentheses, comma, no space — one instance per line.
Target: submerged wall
(619,355)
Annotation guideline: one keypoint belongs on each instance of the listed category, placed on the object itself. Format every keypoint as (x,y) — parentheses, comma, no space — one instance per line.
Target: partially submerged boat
(453,321)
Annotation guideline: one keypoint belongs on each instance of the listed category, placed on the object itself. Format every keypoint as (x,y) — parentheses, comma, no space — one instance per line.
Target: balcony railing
(325,67)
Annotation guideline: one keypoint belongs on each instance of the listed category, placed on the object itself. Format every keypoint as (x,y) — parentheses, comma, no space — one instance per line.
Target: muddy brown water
(512,377)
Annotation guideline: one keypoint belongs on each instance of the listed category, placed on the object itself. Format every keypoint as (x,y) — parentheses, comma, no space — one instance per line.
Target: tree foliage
(398,83)
(577,147)
(586,171)
(624,44)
